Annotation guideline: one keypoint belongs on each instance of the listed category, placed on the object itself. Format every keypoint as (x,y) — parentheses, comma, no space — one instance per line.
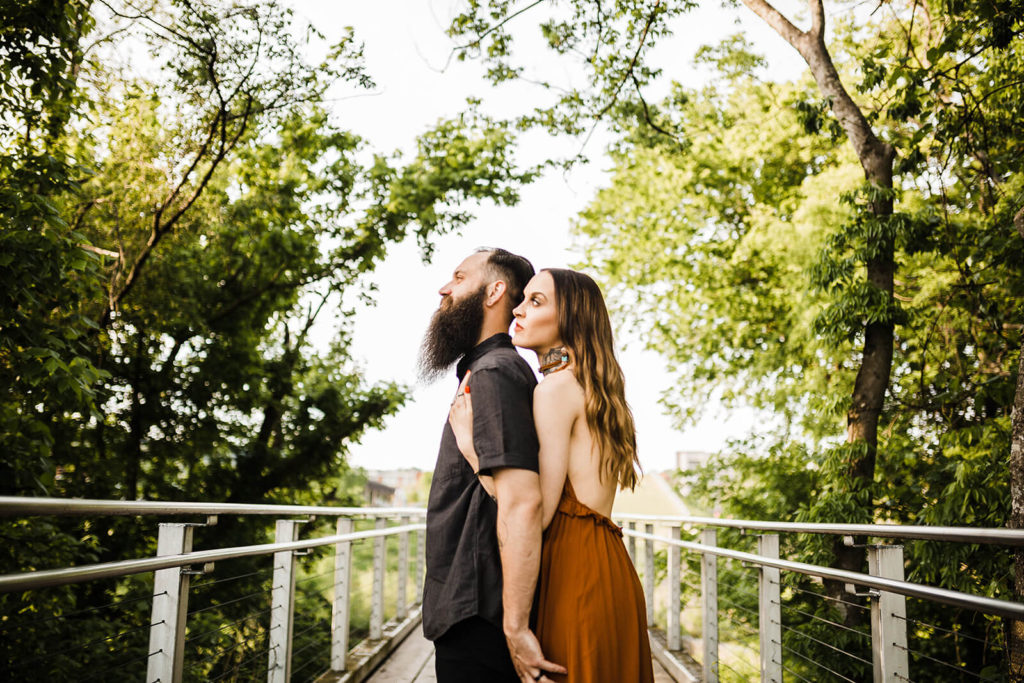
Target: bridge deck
(413,662)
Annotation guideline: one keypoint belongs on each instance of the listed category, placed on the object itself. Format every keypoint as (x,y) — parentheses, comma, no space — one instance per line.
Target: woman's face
(536,325)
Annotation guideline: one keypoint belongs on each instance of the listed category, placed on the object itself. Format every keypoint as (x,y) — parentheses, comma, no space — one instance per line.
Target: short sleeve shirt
(463,565)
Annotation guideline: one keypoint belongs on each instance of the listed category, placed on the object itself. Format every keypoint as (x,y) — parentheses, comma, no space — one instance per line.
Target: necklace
(561,362)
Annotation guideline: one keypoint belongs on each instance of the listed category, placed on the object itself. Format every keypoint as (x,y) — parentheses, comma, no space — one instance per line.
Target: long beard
(453,332)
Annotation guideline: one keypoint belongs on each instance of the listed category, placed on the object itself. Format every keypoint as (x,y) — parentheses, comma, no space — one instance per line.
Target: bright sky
(406,48)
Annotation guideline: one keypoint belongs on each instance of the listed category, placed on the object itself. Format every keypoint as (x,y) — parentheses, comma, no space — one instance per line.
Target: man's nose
(446,289)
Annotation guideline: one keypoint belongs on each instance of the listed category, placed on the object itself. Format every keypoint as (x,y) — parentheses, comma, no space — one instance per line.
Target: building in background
(408,486)
(691,460)
(378,494)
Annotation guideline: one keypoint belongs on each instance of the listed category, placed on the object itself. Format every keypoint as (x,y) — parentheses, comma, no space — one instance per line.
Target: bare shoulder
(559,389)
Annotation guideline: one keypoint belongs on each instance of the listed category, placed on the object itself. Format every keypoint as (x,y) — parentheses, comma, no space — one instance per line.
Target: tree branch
(817,19)
(783,26)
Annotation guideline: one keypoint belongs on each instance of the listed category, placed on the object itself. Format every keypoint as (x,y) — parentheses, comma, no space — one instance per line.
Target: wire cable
(102,674)
(957,634)
(817,664)
(198,636)
(85,610)
(228,602)
(827,621)
(822,642)
(829,597)
(954,667)
(200,585)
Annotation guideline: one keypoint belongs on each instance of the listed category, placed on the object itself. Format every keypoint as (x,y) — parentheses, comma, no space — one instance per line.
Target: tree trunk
(876,158)
(1016,628)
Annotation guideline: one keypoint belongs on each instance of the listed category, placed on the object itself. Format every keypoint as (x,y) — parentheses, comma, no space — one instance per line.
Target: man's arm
(519,532)
(519,536)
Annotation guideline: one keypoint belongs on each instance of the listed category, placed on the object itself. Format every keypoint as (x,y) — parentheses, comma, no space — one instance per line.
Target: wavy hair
(586,330)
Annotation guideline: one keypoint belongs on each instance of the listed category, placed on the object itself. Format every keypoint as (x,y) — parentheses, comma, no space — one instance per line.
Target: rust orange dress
(591,616)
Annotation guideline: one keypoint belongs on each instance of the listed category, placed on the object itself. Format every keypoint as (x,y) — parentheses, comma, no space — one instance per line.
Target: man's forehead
(473,263)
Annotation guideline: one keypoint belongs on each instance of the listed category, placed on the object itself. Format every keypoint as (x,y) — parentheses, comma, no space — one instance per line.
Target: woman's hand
(460,417)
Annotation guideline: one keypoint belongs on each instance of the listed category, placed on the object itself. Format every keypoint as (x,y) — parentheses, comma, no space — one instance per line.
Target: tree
(919,68)
(161,302)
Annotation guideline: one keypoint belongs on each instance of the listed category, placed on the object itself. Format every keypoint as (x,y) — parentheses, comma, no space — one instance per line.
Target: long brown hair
(586,330)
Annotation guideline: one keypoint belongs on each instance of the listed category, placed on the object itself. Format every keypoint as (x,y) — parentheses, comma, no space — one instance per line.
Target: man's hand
(528,659)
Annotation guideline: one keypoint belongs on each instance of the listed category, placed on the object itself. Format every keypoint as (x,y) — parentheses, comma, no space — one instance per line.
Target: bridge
(335,595)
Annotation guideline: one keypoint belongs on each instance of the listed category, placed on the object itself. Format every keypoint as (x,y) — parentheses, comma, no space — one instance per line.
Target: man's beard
(453,332)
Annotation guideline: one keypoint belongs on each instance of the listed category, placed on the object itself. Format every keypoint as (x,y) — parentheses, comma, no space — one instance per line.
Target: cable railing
(279,611)
(754,615)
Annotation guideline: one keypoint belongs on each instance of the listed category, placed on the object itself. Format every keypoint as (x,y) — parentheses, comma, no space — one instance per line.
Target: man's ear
(495,291)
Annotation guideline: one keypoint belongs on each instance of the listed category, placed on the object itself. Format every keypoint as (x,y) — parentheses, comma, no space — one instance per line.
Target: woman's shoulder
(560,387)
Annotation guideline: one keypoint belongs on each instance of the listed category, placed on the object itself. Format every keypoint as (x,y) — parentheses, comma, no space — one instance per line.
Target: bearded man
(483,553)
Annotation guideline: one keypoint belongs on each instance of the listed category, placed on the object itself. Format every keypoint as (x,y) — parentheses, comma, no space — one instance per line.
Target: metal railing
(883,586)
(175,563)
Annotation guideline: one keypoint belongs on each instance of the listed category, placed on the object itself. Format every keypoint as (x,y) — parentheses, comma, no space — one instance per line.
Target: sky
(406,52)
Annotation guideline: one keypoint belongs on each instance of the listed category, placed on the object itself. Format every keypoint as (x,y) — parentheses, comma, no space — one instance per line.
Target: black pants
(473,651)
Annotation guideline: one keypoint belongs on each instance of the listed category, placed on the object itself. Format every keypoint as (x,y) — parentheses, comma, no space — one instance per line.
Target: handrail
(1011,537)
(1004,608)
(106,570)
(11,506)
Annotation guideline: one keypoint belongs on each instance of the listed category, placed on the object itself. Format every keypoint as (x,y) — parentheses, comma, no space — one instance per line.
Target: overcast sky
(406,50)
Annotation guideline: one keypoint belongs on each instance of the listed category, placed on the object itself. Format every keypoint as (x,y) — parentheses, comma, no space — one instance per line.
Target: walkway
(413,662)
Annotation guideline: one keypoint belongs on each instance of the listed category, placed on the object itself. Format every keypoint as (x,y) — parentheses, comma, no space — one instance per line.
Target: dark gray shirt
(463,566)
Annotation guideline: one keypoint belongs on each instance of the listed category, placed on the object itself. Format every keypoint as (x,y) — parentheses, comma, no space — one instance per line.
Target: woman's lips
(518,327)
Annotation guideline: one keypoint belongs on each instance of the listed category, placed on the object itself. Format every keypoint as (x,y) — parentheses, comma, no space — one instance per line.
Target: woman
(591,616)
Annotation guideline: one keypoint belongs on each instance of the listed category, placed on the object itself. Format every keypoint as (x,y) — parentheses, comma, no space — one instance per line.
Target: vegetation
(838,251)
(178,210)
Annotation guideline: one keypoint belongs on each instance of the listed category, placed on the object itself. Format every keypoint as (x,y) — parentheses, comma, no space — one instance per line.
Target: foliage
(737,238)
(159,306)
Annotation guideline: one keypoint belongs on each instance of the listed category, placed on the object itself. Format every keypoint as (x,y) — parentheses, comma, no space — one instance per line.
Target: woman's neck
(553,360)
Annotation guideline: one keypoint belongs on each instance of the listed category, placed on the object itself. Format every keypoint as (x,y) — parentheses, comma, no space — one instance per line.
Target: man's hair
(514,270)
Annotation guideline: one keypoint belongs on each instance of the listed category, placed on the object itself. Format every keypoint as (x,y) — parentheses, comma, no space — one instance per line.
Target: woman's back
(583,465)
(591,616)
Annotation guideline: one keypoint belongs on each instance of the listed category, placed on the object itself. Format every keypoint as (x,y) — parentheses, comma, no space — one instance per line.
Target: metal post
(888,617)
(674,598)
(402,611)
(170,605)
(631,544)
(421,549)
(649,573)
(342,583)
(282,604)
(770,611)
(377,600)
(709,604)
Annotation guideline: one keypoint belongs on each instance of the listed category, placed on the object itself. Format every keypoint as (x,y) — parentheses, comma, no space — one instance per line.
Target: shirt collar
(494,342)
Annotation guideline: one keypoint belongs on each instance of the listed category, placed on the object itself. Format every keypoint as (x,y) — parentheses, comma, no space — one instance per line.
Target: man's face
(455,326)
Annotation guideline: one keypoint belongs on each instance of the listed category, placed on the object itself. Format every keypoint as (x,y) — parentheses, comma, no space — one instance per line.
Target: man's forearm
(519,537)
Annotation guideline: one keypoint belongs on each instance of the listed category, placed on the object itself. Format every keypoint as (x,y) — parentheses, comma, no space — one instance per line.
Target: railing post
(377,599)
(770,611)
(340,612)
(631,544)
(674,597)
(888,617)
(649,573)
(402,611)
(282,604)
(421,549)
(170,605)
(709,604)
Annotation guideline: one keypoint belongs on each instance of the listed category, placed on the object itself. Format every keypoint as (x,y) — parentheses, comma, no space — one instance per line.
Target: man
(483,554)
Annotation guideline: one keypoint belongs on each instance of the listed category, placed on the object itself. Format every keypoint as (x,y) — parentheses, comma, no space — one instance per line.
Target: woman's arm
(556,405)
(460,417)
